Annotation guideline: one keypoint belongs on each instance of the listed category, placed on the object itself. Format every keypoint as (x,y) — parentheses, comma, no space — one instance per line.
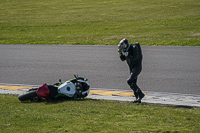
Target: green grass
(89,115)
(150,22)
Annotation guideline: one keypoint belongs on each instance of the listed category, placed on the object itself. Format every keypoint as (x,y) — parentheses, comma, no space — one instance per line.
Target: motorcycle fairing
(67,88)
(43,91)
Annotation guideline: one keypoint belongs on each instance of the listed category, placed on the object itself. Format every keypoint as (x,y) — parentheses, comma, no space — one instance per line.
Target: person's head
(124,45)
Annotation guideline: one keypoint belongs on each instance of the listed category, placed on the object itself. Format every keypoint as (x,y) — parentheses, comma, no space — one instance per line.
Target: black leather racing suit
(134,61)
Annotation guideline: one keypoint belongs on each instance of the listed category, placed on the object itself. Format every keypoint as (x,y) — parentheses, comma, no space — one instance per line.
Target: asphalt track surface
(173,69)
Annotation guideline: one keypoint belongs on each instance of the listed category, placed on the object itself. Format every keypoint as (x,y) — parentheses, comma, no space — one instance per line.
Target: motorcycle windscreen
(43,91)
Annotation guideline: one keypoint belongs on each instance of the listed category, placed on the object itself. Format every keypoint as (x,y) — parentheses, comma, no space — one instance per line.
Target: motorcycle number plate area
(67,88)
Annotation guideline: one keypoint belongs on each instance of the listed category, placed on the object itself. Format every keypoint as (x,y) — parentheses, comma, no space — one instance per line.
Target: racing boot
(140,95)
(135,92)
(137,101)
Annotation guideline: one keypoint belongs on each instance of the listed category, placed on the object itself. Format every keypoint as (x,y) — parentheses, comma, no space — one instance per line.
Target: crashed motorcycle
(75,88)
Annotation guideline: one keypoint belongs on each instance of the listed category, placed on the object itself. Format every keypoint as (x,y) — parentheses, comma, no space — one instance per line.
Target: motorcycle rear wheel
(28,96)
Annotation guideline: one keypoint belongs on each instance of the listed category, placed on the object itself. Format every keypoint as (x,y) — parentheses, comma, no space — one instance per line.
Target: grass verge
(155,22)
(89,115)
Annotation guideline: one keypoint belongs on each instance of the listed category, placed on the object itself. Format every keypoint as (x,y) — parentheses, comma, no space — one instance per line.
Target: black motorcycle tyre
(28,96)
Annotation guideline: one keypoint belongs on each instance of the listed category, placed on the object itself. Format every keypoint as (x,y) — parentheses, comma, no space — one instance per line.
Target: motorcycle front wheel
(28,96)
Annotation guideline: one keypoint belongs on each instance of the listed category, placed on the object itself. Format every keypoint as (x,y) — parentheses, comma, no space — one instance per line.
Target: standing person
(132,53)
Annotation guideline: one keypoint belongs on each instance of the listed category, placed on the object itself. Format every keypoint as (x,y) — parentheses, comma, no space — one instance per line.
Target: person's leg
(132,82)
(140,93)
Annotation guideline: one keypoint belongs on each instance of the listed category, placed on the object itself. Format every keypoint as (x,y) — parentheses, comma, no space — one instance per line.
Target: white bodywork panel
(67,88)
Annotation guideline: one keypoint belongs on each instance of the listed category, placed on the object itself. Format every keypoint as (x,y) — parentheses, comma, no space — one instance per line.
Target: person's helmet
(124,45)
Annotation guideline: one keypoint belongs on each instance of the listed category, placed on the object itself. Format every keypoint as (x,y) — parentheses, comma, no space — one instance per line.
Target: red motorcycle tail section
(43,91)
